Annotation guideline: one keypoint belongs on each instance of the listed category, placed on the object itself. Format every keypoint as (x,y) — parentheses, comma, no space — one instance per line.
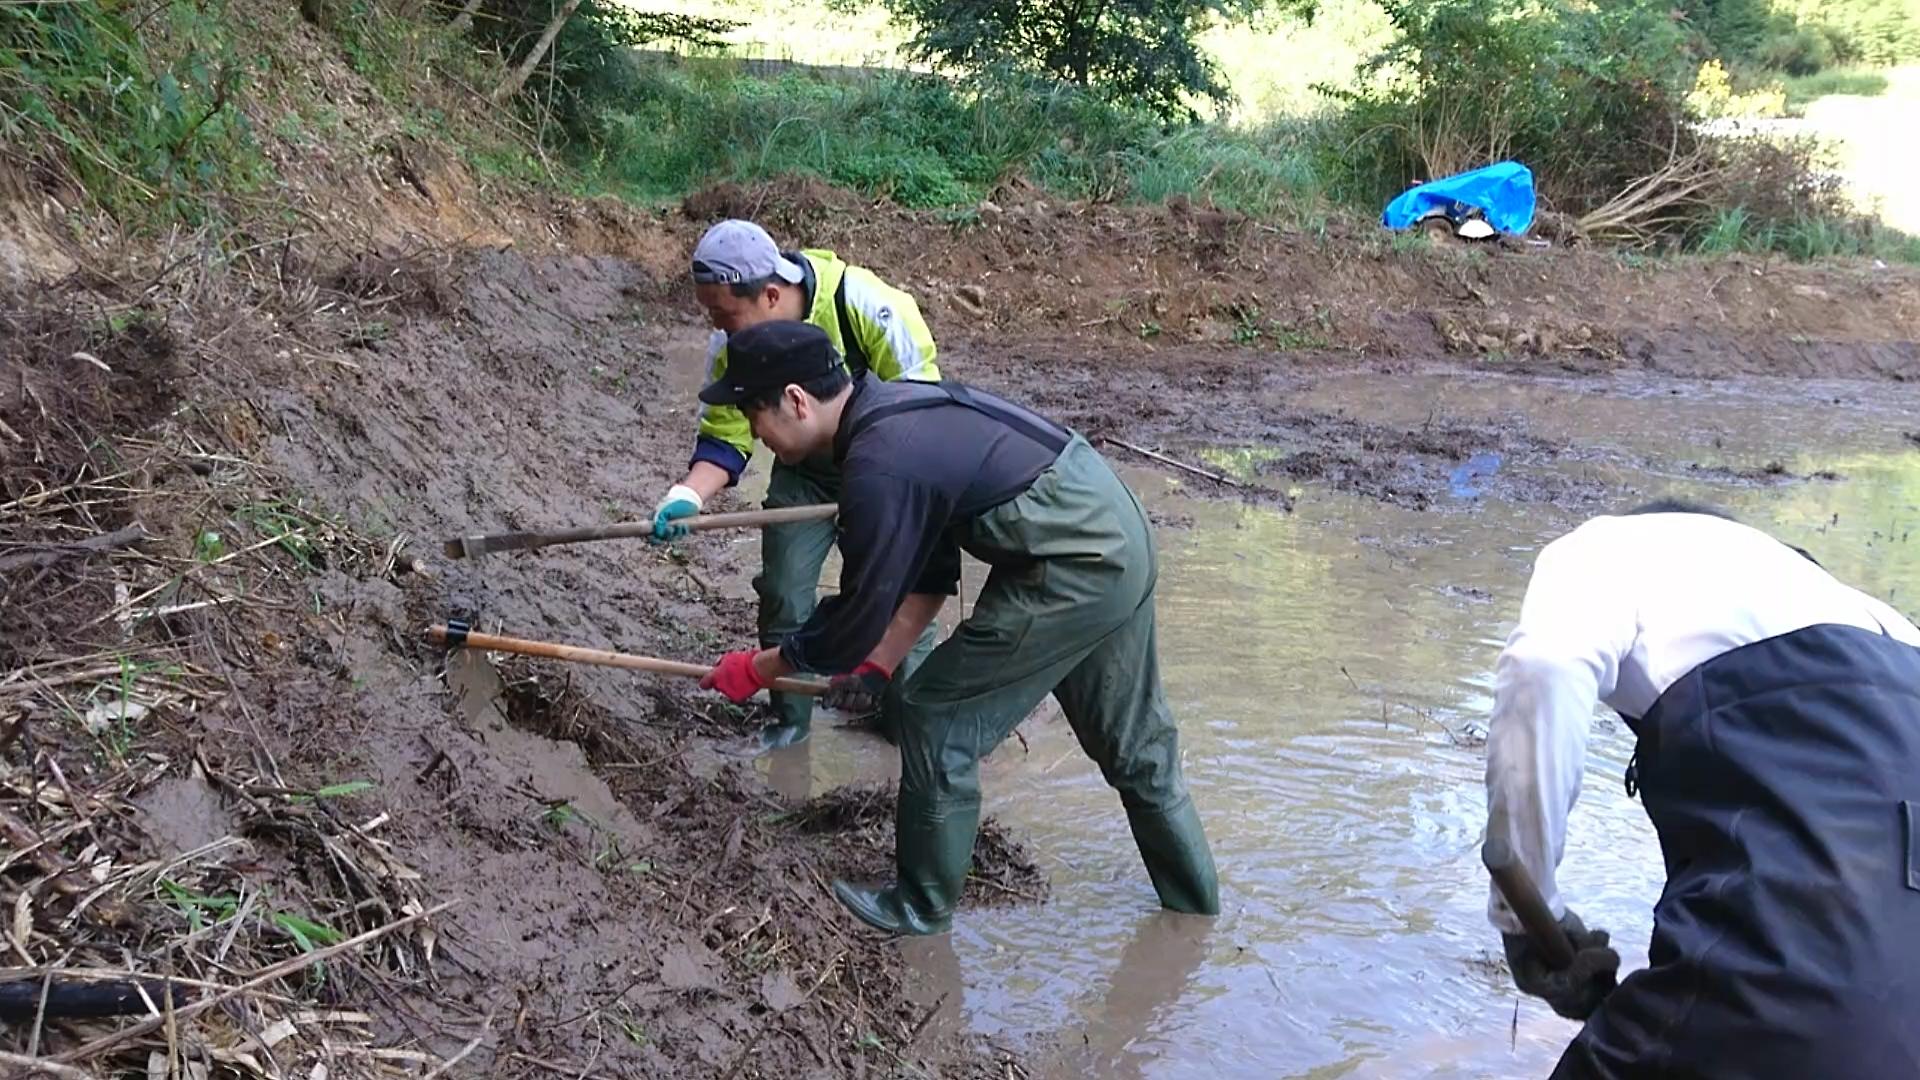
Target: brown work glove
(858,692)
(1574,991)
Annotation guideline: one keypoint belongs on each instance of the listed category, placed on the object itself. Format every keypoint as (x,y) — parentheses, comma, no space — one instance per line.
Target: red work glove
(735,676)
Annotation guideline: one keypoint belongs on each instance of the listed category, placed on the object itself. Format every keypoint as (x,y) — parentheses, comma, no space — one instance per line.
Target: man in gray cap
(742,279)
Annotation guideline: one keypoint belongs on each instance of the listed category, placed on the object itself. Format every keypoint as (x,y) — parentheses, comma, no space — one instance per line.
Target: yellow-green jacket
(877,327)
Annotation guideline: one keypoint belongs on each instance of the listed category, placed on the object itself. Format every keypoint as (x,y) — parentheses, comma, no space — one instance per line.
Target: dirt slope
(631,900)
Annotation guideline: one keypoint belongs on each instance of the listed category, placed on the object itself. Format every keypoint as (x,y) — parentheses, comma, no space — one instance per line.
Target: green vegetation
(1861,82)
(142,103)
(927,142)
(1805,237)
(1801,37)
(1144,53)
(149,107)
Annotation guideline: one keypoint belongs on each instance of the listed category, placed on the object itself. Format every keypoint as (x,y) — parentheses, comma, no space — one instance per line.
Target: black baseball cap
(770,355)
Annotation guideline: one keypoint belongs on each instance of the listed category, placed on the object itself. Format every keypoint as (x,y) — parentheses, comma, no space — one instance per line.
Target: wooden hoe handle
(1523,896)
(456,635)
(472,547)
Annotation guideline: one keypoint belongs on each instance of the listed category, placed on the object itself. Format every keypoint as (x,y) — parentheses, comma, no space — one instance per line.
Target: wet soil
(632,900)
(1235,415)
(651,904)
(70,366)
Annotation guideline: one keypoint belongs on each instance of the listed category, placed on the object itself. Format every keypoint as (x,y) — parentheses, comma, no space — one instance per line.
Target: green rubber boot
(1178,859)
(788,729)
(933,846)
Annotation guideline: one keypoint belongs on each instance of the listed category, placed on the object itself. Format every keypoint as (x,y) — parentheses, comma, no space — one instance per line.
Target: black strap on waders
(850,347)
(1048,435)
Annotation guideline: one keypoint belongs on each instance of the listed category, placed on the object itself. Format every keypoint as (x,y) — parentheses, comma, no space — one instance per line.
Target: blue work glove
(681,502)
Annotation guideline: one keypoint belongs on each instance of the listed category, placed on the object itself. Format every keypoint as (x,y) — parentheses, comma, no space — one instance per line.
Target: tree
(1139,52)
(517,78)
(585,44)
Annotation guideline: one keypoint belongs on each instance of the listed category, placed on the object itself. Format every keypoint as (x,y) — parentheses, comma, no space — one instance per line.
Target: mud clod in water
(1003,871)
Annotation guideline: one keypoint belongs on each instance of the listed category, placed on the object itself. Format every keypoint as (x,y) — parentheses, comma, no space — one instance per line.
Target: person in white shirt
(1777,713)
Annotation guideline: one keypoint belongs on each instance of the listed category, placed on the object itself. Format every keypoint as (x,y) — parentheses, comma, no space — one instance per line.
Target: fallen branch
(39,555)
(1642,208)
(276,971)
(1165,460)
(41,1067)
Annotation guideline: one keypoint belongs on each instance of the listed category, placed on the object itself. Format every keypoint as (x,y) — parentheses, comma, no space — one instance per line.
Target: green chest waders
(1067,609)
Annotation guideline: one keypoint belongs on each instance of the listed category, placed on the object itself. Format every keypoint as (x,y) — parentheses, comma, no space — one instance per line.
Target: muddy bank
(1027,269)
(650,904)
(627,899)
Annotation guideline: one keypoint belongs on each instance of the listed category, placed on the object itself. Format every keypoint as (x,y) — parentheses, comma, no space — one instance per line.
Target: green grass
(1857,82)
(154,140)
(1810,238)
(927,143)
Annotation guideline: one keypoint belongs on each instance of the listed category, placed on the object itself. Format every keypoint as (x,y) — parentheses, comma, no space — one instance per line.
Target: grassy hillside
(213,113)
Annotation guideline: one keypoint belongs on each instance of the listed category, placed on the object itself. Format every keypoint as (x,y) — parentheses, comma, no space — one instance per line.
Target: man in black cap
(1067,609)
(1777,713)
(742,278)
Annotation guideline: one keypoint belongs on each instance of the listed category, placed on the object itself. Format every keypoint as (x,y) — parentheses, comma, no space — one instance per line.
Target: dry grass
(126,614)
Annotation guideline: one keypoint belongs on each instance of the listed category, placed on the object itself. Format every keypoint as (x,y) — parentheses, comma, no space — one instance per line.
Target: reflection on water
(1331,671)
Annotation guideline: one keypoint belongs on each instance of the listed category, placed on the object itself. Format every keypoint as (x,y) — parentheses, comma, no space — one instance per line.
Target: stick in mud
(1165,460)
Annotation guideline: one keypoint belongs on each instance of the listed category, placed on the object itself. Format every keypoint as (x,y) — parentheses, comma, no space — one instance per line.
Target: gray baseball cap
(735,251)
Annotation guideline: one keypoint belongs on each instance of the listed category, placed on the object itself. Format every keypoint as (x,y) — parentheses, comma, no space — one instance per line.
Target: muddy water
(1331,670)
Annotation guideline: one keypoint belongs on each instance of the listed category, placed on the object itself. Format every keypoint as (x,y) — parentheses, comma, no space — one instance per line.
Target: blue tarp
(1503,192)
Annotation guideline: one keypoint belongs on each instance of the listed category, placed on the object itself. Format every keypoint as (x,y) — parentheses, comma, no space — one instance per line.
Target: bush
(1770,196)
(1589,98)
(1802,50)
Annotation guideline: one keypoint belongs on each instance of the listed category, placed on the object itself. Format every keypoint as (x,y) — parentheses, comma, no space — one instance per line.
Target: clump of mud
(1773,472)
(419,282)
(791,207)
(1003,870)
(78,379)
(70,370)
(1413,467)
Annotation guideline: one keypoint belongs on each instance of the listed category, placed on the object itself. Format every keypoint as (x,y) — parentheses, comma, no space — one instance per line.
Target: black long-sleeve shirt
(915,463)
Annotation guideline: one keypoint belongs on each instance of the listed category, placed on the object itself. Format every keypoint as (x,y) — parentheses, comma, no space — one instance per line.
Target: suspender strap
(1047,435)
(850,347)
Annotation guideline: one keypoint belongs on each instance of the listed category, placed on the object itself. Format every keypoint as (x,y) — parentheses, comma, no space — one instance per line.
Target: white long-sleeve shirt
(1618,610)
